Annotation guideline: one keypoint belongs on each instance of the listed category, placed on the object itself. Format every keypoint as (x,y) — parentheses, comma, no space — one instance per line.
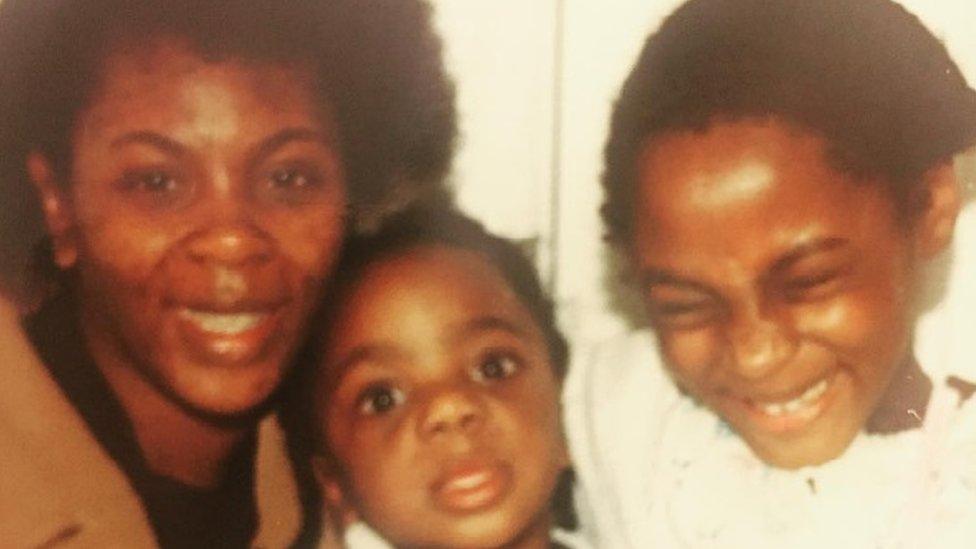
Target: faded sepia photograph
(469,274)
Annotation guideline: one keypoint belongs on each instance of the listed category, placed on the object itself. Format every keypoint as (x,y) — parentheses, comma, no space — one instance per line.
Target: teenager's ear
(338,508)
(935,223)
(59,217)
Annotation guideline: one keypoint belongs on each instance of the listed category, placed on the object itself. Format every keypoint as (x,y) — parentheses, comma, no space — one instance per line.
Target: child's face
(441,405)
(778,286)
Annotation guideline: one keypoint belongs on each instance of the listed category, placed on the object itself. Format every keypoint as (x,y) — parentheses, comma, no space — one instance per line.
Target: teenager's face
(440,404)
(204,210)
(778,286)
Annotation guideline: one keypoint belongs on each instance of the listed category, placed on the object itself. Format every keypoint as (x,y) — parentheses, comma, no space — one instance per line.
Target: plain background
(536,80)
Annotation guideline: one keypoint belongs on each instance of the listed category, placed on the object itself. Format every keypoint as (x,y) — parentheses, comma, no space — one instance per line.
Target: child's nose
(451,411)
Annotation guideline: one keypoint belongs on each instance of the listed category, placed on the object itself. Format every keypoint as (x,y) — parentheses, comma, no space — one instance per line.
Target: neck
(175,443)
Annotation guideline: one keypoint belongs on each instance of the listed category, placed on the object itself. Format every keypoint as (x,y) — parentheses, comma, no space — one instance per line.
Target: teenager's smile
(779,287)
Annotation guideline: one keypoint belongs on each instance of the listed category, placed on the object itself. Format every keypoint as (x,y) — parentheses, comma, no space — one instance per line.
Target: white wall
(530,174)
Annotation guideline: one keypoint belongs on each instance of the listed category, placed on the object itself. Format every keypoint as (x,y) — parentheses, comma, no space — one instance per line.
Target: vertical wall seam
(555,208)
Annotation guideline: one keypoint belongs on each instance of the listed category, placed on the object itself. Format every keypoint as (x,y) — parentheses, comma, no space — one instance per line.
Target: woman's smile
(227,339)
(207,207)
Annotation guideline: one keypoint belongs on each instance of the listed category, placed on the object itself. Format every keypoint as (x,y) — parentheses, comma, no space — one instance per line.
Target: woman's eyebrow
(150,138)
(289,135)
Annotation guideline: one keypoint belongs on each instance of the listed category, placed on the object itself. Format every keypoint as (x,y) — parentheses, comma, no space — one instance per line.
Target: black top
(181,516)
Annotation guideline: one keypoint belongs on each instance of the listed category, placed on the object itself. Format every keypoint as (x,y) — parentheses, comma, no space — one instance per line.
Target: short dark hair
(377,62)
(422,227)
(864,75)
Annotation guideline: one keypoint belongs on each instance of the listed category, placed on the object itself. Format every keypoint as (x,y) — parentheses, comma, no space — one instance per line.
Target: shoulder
(276,489)
(58,484)
(616,404)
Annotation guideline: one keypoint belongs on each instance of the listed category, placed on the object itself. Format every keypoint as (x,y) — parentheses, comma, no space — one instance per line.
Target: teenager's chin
(799,452)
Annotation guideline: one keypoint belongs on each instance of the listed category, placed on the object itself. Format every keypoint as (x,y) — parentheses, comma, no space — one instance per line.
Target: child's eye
(379,399)
(495,366)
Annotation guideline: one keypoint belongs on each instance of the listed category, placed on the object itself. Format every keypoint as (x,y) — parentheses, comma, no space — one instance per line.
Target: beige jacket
(58,487)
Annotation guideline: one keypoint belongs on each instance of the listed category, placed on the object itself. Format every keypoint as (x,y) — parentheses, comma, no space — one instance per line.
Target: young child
(780,176)
(435,389)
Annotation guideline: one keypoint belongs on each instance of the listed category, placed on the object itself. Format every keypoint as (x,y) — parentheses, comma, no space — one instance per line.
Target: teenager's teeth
(224,323)
(808,397)
(774,409)
(815,392)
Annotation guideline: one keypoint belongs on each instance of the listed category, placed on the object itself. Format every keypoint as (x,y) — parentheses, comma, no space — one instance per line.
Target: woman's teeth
(223,323)
(808,398)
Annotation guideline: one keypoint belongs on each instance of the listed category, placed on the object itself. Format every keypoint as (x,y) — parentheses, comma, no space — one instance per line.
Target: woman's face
(778,286)
(440,403)
(204,209)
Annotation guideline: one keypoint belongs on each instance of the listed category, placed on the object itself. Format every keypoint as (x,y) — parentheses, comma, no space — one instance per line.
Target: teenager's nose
(759,344)
(453,410)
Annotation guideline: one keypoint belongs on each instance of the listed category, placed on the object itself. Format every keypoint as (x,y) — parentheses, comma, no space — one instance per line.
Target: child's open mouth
(472,486)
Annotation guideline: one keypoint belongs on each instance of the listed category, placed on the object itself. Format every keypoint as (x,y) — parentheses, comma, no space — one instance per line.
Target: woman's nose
(451,411)
(228,235)
(759,344)
(233,244)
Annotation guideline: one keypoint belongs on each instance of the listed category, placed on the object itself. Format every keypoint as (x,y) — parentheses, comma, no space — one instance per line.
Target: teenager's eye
(379,399)
(495,366)
(813,287)
(682,314)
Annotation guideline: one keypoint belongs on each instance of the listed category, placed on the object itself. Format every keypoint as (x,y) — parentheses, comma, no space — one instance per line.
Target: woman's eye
(150,182)
(294,186)
(379,399)
(495,366)
(292,178)
(155,188)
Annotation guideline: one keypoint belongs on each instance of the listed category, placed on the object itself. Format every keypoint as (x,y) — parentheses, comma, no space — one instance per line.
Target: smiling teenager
(196,166)
(779,176)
